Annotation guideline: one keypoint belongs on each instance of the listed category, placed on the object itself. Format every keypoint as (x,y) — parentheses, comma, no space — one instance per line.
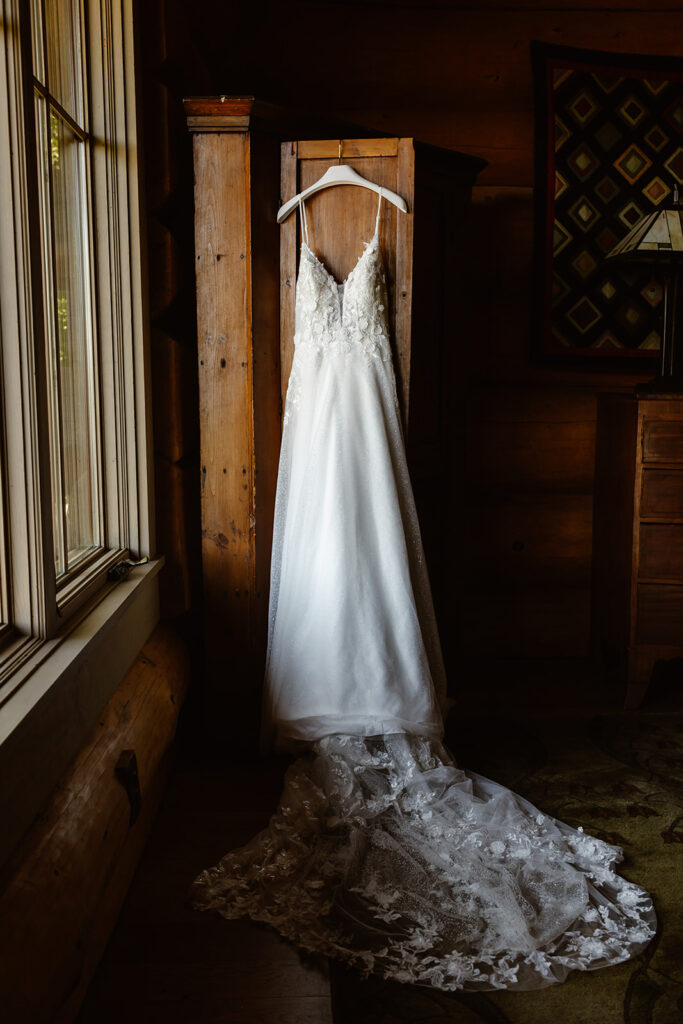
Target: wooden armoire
(248,161)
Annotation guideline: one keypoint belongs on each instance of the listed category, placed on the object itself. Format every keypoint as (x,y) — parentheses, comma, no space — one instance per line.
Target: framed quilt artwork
(609,149)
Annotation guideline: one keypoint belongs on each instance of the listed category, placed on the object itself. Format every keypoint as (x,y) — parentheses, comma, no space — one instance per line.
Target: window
(75,428)
(75,454)
(62,144)
(4,613)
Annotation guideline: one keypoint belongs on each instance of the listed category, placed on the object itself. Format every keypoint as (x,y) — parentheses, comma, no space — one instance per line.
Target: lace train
(385,855)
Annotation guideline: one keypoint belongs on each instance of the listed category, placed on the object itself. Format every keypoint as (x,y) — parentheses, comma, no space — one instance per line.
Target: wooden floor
(171,964)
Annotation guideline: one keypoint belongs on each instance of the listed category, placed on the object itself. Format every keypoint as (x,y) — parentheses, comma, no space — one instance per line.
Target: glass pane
(4,608)
(63,35)
(42,145)
(37,40)
(72,354)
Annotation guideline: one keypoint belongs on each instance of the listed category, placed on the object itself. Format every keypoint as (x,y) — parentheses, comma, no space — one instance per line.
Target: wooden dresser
(637,607)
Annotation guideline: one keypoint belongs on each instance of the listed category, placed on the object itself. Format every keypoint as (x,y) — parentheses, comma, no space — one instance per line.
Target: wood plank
(328,149)
(464,58)
(289,186)
(501,136)
(530,540)
(162,173)
(174,486)
(164,253)
(183,965)
(614,511)
(529,622)
(470,81)
(531,439)
(402,293)
(524,5)
(222,251)
(498,277)
(221,106)
(265,399)
(63,889)
(218,122)
(162,1004)
(174,370)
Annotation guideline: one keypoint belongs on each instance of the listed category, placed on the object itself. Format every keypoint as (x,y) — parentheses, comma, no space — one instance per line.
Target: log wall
(61,893)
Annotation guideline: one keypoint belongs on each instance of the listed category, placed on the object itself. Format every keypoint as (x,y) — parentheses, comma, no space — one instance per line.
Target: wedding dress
(383,853)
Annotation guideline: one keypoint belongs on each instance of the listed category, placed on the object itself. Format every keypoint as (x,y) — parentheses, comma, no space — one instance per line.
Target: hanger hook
(340,147)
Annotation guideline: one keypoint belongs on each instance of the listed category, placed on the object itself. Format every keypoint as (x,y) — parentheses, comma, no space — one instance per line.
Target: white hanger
(339,174)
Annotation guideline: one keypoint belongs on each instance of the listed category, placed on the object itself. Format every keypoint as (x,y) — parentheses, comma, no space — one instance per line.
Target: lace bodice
(333,319)
(342,317)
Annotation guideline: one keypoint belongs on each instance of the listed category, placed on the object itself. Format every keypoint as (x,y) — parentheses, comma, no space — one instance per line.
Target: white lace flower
(629,897)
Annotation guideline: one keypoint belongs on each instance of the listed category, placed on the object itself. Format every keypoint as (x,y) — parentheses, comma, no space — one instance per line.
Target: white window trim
(59,674)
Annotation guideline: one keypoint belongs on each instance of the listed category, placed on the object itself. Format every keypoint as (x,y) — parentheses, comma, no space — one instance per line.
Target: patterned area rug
(621,777)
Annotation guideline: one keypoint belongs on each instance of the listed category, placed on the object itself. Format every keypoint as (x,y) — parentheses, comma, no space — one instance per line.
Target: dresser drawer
(661,551)
(662,440)
(660,614)
(662,493)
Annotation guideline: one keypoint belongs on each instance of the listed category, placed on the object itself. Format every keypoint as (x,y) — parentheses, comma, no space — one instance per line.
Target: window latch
(121,570)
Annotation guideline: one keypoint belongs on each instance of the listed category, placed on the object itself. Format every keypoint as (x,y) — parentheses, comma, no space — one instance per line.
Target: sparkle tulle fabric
(382,852)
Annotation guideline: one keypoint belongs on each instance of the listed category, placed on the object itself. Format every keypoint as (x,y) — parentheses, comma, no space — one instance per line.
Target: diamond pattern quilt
(609,149)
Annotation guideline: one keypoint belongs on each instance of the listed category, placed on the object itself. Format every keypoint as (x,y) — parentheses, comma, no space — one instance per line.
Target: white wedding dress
(382,852)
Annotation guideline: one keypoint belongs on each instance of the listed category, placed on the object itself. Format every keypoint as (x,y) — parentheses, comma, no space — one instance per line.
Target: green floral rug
(621,777)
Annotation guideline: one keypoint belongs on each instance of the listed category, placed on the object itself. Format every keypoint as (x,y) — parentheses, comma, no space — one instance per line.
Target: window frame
(44,89)
(47,629)
(117,321)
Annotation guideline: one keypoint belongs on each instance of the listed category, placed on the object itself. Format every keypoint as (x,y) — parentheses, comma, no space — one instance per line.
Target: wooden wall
(459,75)
(171,67)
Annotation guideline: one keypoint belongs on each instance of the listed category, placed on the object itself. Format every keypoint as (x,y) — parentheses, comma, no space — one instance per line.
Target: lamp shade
(658,239)
(658,236)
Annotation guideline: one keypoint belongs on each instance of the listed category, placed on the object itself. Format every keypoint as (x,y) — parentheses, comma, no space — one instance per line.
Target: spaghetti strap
(304,222)
(379,207)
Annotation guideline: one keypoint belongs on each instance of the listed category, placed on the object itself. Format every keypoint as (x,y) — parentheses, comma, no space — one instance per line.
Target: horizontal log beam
(63,889)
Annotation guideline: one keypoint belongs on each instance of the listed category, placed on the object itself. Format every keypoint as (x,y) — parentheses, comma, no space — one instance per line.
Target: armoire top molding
(218,113)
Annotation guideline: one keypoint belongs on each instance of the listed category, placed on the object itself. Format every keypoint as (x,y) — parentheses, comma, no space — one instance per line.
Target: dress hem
(311,729)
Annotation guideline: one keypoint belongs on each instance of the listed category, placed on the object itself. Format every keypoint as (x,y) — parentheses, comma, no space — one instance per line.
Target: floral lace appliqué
(385,855)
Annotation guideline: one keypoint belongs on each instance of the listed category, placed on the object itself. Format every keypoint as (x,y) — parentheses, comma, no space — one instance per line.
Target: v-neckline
(341,284)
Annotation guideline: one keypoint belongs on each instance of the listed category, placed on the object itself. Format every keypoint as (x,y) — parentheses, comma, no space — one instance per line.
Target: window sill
(60,688)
